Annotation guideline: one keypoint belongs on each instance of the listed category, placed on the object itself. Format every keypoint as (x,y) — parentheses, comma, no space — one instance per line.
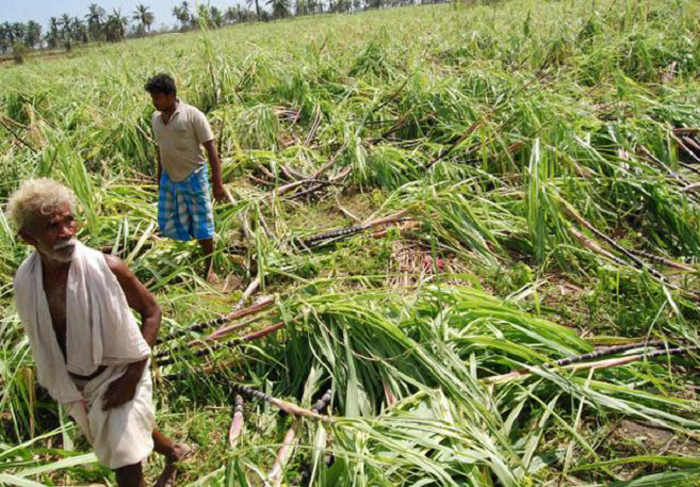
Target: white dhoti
(121,435)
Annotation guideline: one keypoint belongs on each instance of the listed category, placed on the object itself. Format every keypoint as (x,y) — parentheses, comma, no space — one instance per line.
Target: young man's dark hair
(161,83)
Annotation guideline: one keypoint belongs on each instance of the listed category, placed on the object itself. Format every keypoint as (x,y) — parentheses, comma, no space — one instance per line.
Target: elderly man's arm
(123,389)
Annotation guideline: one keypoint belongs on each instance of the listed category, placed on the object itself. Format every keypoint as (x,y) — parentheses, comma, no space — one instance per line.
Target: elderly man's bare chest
(56,298)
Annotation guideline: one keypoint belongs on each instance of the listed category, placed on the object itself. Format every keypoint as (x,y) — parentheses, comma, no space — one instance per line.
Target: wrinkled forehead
(48,213)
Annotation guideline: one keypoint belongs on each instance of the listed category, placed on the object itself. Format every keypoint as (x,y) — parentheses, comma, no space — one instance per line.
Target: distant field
(538,161)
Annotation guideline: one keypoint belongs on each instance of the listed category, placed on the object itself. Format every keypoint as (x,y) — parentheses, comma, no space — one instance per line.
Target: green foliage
(499,128)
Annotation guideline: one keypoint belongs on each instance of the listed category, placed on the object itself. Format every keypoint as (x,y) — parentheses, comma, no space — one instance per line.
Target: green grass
(499,127)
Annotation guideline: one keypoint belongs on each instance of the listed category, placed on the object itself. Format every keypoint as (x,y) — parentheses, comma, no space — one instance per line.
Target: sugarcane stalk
(344,232)
(591,245)
(222,320)
(605,351)
(285,452)
(685,148)
(662,260)
(691,142)
(661,164)
(285,406)
(233,343)
(602,364)
(250,310)
(234,431)
(639,263)
(320,183)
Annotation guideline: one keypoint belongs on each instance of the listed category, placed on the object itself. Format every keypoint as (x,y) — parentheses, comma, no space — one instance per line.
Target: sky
(42,10)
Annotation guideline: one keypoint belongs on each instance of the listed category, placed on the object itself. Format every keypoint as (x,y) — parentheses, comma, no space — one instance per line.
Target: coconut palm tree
(144,17)
(80,31)
(230,15)
(32,34)
(115,26)
(52,35)
(216,17)
(280,8)
(95,19)
(65,22)
(182,14)
(4,40)
(257,7)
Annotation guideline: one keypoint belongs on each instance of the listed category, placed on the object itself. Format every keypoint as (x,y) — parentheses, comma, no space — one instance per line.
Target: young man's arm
(123,389)
(217,185)
(159,171)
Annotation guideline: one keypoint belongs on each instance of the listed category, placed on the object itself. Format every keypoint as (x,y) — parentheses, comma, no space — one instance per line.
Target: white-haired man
(89,352)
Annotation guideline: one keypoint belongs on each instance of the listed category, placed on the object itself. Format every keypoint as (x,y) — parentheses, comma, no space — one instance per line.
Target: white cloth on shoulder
(100,329)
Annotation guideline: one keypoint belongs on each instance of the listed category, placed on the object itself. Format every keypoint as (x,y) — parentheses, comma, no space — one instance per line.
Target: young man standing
(184,204)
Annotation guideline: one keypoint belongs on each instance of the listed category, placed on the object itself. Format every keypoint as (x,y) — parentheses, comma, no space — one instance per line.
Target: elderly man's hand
(123,389)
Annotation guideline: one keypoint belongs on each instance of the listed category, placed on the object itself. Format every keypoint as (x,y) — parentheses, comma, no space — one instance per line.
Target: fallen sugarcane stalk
(346,232)
(285,406)
(221,320)
(602,364)
(679,180)
(682,144)
(662,260)
(234,431)
(638,263)
(227,330)
(233,343)
(605,351)
(587,242)
(285,452)
(591,245)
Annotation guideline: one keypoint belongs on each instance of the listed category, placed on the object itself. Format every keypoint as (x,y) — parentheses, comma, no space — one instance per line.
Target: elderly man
(89,352)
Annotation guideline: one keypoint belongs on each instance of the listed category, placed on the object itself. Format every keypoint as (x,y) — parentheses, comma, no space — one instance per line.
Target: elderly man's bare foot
(167,477)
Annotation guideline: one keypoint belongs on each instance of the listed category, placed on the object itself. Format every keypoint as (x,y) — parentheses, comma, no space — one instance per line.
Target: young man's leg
(130,476)
(208,248)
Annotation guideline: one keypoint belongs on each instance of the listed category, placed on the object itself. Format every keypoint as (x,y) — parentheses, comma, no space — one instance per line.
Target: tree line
(98,25)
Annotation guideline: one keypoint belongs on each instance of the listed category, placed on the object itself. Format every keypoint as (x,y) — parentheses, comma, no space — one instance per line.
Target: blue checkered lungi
(184,207)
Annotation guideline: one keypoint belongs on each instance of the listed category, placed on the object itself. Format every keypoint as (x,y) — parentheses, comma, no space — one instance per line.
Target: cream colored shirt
(180,141)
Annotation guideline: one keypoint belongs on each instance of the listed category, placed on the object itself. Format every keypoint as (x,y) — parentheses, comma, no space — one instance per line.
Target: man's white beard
(63,251)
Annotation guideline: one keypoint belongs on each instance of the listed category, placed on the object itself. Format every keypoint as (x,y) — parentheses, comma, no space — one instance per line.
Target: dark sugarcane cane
(344,232)
(285,451)
(661,260)
(233,343)
(682,143)
(603,352)
(221,320)
(638,263)
(311,190)
(677,177)
(285,406)
(603,364)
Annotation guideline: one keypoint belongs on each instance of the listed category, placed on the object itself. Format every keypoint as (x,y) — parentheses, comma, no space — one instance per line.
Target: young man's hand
(219,193)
